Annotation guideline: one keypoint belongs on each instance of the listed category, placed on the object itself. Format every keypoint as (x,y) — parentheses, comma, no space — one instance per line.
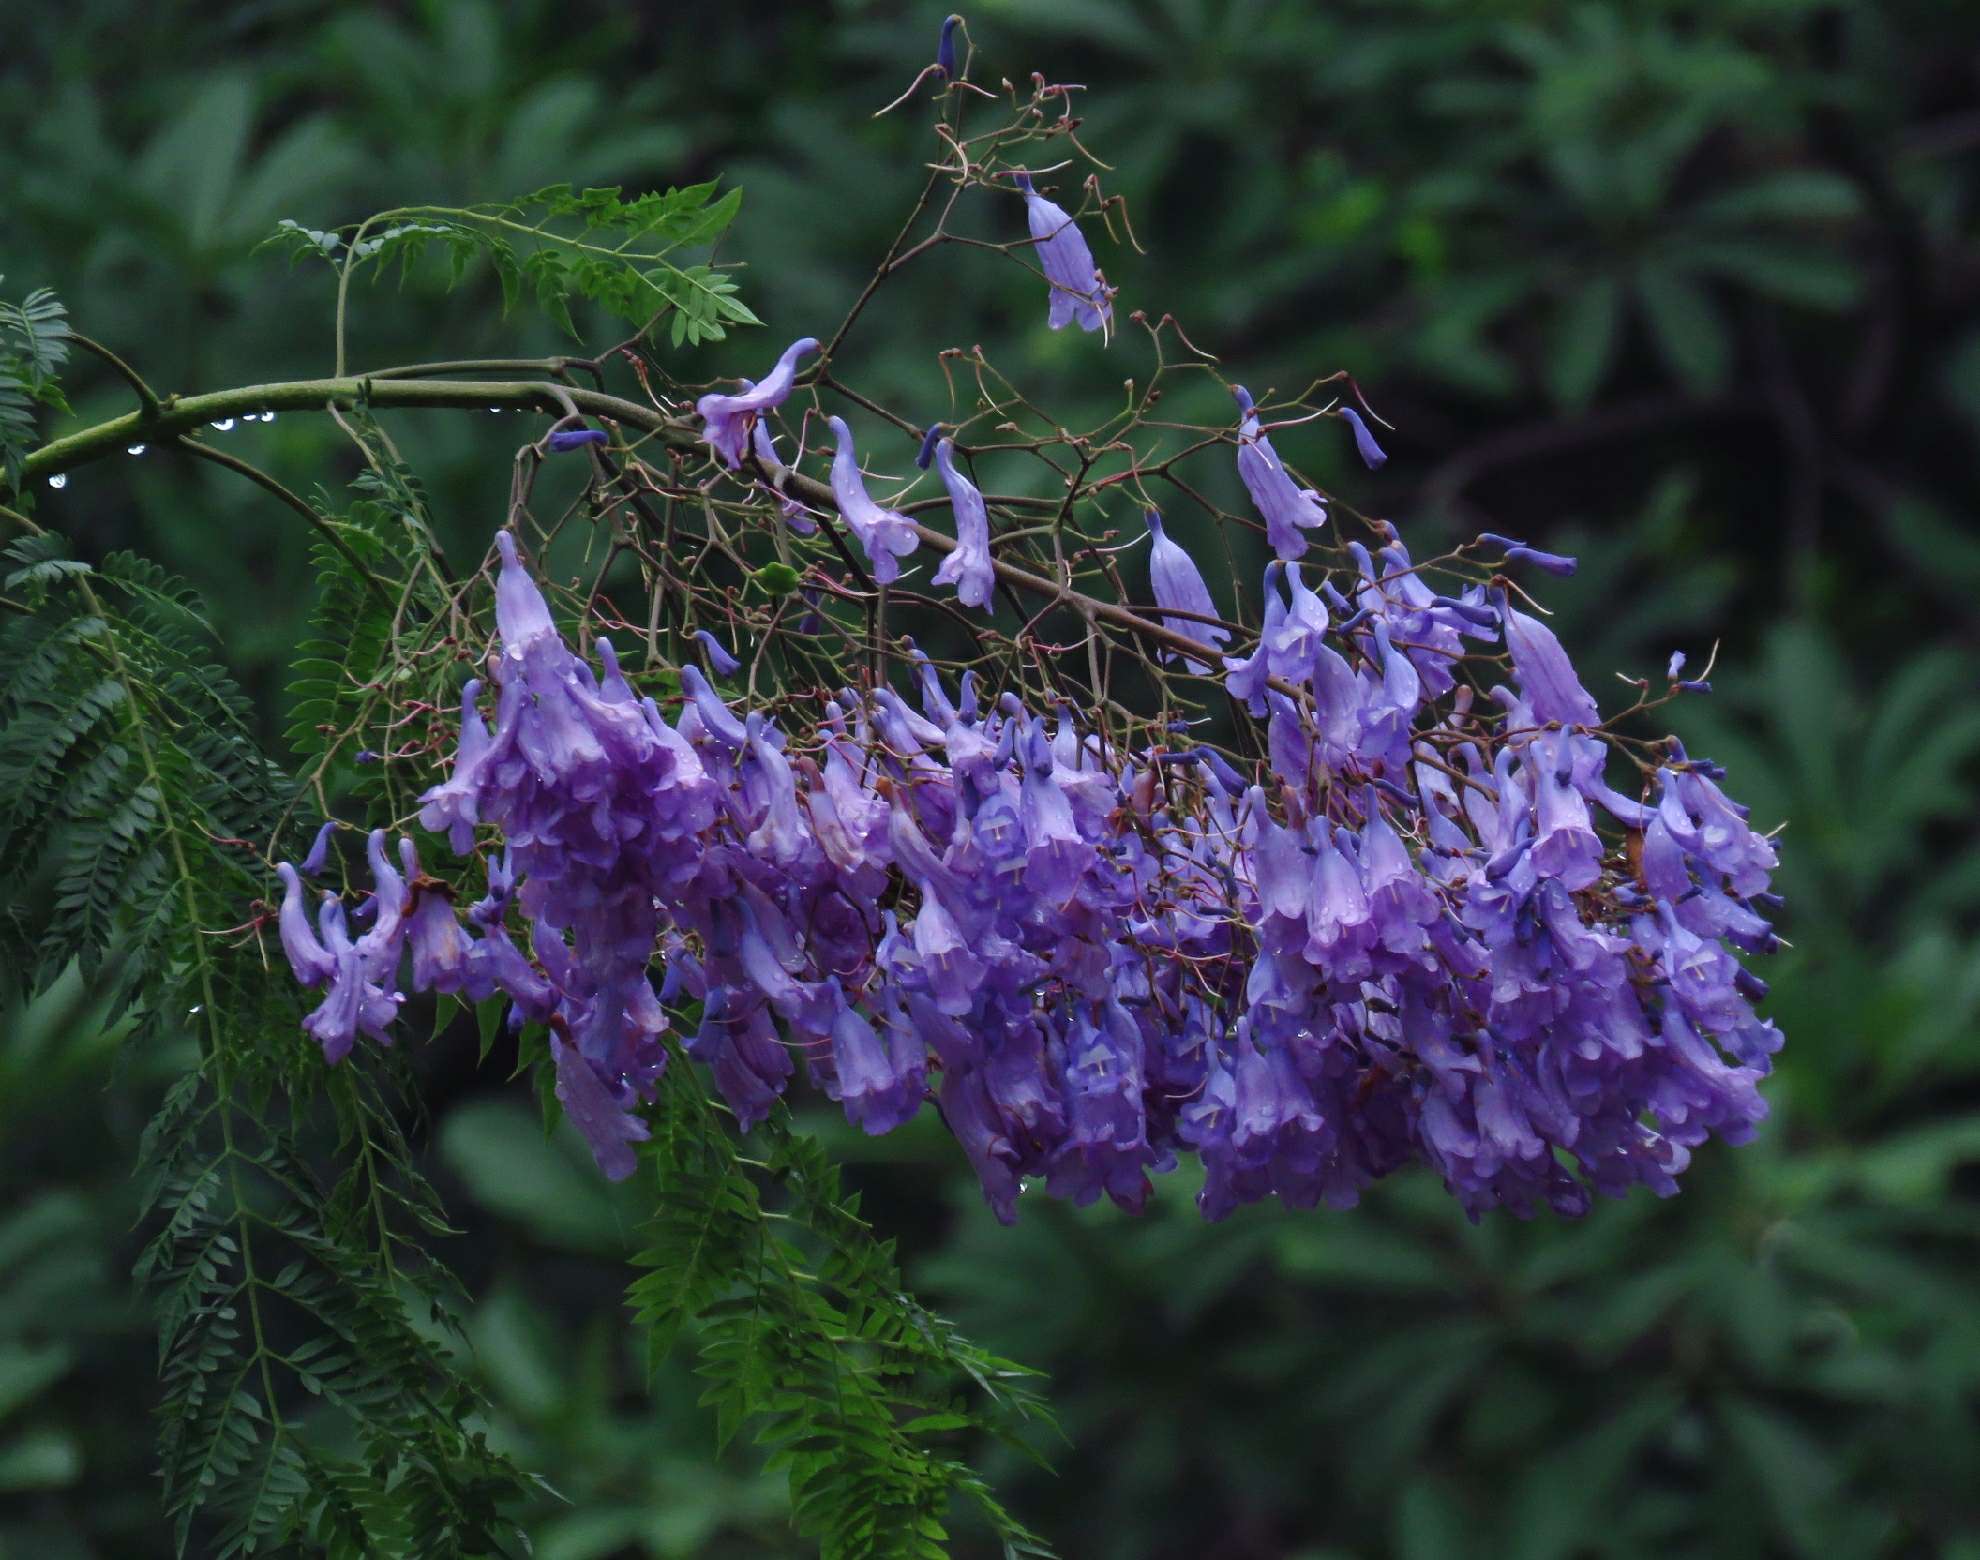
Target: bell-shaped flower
(968,568)
(440,948)
(1055,855)
(1288,508)
(1178,584)
(1565,845)
(356,1000)
(312,963)
(497,964)
(1077,290)
(885,535)
(712,712)
(726,418)
(522,616)
(1245,677)
(1713,830)
(1340,924)
(949,964)
(1546,676)
(453,807)
(1296,643)
(605,1124)
(879,1080)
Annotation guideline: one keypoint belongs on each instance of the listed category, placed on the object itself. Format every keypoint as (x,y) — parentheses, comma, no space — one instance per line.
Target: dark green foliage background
(1686,288)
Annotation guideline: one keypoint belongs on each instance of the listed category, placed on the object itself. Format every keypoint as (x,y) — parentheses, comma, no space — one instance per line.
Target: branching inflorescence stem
(181,415)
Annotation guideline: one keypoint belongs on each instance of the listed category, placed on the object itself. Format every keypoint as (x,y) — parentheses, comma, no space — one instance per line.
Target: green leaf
(1586,328)
(1790,195)
(1686,328)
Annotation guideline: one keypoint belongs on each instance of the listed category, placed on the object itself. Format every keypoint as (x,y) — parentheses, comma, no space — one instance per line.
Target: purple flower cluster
(1428,930)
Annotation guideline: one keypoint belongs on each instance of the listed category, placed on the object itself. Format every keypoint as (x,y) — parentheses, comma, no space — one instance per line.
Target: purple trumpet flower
(1364,441)
(440,947)
(452,807)
(1288,508)
(885,535)
(606,1124)
(1078,293)
(1245,676)
(1546,675)
(968,568)
(566,439)
(1178,583)
(726,417)
(311,962)
(945,51)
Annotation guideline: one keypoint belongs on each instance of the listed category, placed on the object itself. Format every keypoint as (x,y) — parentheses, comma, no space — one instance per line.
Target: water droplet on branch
(225,424)
(59,481)
(134,449)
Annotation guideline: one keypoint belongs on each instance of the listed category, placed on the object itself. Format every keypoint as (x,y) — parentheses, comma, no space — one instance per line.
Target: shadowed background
(1691,290)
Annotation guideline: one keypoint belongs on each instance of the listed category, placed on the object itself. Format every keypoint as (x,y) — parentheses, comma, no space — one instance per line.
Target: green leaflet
(805,1333)
(559,245)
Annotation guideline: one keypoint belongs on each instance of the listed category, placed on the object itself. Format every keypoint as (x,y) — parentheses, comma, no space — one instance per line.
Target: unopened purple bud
(366,756)
(1364,441)
(1749,985)
(719,660)
(319,853)
(1243,398)
(1699,685)
(1390,789)
(1227,777)
(1470,611)
(1553,563)
(934,433)
(945,51)
(574,439)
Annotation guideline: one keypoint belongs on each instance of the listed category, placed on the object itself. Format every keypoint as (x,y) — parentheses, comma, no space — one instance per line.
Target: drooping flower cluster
(1425,929)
